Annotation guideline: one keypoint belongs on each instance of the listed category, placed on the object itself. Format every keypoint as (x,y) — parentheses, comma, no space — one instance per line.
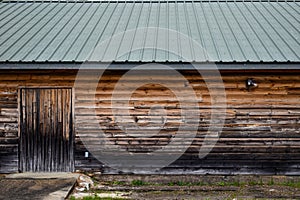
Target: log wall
(261,134)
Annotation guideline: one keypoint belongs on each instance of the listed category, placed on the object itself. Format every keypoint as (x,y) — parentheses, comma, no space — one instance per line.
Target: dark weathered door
(46,139)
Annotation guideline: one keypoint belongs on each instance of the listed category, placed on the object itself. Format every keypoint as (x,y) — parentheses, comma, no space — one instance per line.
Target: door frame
(72,117)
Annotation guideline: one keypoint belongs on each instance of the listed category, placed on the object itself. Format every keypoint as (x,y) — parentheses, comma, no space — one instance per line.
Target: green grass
(180,183)
(271,182)
(138,183)
(291,184)
(254,183)
(118,183)
(259,182)
(223,183)
(95,197)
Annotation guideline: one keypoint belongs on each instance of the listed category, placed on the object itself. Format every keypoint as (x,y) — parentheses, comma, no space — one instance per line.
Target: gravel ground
(23,189)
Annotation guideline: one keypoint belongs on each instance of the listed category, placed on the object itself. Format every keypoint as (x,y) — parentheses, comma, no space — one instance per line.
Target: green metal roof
(149,31)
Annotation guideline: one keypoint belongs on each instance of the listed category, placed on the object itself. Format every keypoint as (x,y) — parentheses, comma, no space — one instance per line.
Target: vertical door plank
(34,132)
(47,130)
(43,143)
(63,127)
(67,153)
(28,111)
(66,135)
(71,140)
(52,129)
(26,157)
(23,131)
(51,132)
(38,141)
(59,126)
(55,131)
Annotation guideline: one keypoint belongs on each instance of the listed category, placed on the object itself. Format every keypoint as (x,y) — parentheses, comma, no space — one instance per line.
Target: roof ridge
(137,1)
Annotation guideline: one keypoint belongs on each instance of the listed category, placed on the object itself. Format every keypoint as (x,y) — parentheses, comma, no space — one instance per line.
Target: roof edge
(173,65)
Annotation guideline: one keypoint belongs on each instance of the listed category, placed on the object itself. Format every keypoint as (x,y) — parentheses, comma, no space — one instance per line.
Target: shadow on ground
(31,187)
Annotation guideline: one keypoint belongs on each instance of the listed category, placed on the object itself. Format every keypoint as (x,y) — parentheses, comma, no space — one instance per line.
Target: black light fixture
(250,84)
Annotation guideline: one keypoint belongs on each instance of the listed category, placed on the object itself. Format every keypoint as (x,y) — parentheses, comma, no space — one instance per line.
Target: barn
(166,87)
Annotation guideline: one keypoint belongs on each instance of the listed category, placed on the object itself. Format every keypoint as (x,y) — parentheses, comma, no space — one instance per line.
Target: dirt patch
(31,188)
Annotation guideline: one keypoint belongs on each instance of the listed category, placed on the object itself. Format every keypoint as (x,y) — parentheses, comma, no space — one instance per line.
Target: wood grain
(260,135)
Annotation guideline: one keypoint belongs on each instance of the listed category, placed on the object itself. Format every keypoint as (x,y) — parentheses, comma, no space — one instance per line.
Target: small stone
(85,182)
(80,189)
(84,185)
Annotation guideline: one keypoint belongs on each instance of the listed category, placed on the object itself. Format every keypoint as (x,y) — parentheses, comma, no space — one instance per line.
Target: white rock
(85,182)
(80,189)
(84,185)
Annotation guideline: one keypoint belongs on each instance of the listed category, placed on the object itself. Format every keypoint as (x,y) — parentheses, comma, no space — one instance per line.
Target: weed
(221,183)
(138,183)
(200,184)
(171,184)
(180,183)
(271,182)
(95,197)
(292,184)
(237,184)
(254,183)
(261,182)
(118,183)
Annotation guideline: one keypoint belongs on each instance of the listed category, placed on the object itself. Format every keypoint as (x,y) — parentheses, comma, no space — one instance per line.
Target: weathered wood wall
(261,133)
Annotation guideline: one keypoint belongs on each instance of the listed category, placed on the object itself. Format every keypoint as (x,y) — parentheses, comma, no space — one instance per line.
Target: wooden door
(46,138)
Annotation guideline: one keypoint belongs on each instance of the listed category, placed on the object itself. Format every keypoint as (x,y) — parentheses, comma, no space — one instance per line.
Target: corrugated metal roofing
(227,31)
